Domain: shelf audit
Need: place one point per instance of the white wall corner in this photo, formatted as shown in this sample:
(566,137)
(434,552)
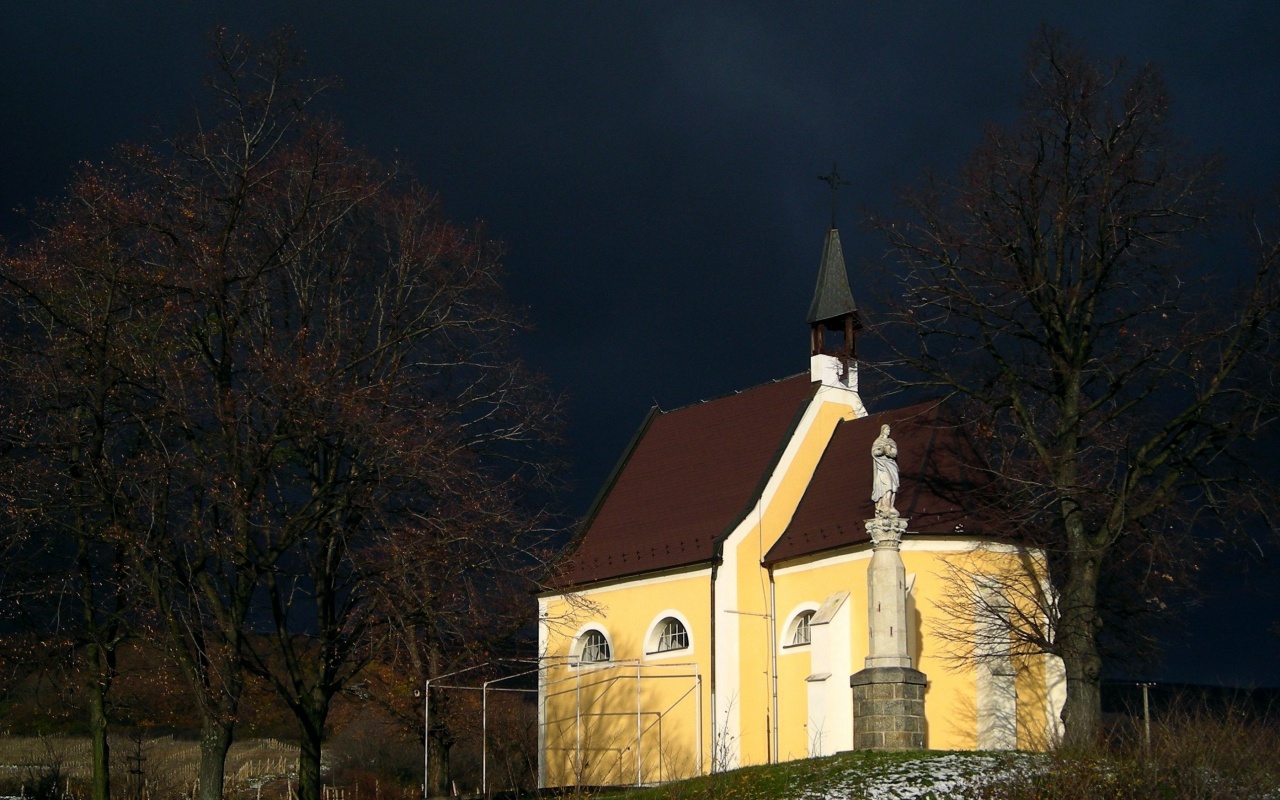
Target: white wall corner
(726,718)
(1056,697)
(830,711)
(829,371)
(816,696)
(839,733)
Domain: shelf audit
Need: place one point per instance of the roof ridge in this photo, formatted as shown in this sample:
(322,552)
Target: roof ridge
(726,395)
(932,403)
(684,477)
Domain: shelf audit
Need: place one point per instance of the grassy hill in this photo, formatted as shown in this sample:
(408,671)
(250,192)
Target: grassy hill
(876,776)
(1226,768)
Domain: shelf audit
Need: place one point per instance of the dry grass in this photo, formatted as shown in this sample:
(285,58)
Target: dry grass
(167,767)
(1194,755)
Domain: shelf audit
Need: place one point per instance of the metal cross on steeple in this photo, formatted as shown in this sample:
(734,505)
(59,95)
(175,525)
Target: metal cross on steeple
(836,182)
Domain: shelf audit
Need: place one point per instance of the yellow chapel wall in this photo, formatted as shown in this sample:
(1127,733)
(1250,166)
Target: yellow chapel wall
(589,719)
(756,632)
(950,697)
(950,667)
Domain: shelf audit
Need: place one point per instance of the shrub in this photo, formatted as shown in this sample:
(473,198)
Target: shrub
(1195,754)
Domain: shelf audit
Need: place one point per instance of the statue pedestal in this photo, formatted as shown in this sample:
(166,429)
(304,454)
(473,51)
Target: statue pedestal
(888,708)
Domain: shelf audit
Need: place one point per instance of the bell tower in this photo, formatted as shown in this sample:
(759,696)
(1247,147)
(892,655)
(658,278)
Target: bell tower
(833,316)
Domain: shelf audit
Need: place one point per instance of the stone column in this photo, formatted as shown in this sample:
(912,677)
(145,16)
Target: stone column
(888,694)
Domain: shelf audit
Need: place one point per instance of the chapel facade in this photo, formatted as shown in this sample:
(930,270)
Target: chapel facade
(736,596)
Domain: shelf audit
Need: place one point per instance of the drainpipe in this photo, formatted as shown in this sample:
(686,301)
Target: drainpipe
(715,566)
(773,661)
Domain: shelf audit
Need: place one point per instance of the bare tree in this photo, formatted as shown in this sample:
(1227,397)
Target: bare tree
(352,385)
(327,377)
(457,596)
(1052,288)
(256,186)
(418,420)
(74,406)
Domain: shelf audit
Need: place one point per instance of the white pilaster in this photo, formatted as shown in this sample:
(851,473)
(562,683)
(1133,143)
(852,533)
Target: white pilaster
(830,658)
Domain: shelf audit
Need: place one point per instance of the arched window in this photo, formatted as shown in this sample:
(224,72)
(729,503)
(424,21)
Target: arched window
(593,648)
(669,634)
(800,633)
(672,635)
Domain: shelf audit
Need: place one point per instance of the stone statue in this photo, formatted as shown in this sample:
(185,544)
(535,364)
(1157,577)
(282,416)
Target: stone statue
(884,478)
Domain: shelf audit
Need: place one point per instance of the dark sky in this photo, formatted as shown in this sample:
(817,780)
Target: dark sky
(650,166)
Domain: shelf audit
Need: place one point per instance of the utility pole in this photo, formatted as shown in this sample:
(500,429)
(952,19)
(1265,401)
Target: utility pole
(1146,716)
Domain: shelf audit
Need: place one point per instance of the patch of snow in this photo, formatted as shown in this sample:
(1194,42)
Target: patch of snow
(932,777)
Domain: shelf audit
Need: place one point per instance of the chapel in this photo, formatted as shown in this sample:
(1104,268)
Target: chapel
(784,572)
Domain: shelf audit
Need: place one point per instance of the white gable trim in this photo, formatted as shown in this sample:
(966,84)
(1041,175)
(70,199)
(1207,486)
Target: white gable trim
(543,637)
(725,704)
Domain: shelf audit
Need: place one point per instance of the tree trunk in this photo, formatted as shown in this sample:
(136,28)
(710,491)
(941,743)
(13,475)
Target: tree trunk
(1078,647)
(1082,712)
(100,656)
(215,741)
(311,725)
(438,772)
(100,781)
(439,739)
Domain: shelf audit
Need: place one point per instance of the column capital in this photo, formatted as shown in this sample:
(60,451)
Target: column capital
(886,532)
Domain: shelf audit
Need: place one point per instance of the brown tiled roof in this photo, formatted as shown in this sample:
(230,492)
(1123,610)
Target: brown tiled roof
(938,473)
(687,480)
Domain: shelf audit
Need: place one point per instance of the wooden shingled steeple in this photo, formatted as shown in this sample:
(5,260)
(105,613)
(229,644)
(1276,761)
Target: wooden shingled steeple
(833,309)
